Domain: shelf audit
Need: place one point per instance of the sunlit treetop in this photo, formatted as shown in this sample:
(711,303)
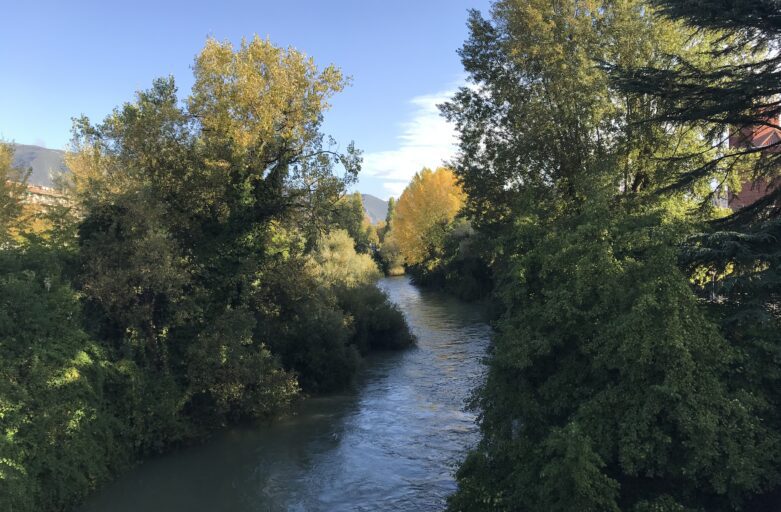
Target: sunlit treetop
(260,92)
(247,138)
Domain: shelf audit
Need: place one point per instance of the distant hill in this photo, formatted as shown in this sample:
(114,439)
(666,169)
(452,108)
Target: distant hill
(375,208)
(44,162)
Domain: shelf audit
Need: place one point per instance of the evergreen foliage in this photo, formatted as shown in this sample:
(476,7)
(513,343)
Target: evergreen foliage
(733,95)
(611,385)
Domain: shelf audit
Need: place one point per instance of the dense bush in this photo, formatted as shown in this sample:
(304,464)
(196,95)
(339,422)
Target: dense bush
(623,397)
(459,266)
(616,383)
(58,433)
(333,314)
(374,321)
(233,375)
(316,344)
(336,263)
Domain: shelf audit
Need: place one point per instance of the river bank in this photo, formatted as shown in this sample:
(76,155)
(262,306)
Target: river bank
(391,442)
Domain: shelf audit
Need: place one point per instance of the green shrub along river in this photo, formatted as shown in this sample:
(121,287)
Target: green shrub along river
(390,442)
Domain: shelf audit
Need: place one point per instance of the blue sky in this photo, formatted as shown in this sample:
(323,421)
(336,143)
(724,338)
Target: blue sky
(62,59)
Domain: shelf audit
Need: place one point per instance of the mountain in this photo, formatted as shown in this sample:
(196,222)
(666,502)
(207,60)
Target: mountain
(44,162)
(375,208)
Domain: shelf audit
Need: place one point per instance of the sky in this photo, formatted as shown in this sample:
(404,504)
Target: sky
(59,60)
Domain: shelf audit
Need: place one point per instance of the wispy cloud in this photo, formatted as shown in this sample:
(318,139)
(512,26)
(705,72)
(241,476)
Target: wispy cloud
(425,140)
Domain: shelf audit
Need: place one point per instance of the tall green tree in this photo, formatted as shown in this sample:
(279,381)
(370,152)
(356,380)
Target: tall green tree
(190,206)
(733,97)
(609,386)
(391,210)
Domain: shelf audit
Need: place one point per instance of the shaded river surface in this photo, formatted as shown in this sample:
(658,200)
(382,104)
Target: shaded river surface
(392,442)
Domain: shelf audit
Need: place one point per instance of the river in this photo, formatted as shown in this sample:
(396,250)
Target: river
(391,442)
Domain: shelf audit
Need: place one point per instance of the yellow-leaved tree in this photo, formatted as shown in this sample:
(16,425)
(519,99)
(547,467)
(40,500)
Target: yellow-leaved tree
(13,188)
(261,93)
(423,214)
(336,263)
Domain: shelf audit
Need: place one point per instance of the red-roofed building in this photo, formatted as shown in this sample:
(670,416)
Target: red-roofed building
(45,196)
(754,137)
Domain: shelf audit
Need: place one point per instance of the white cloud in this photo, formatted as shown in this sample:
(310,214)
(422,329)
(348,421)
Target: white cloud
(395,188)
(425,140)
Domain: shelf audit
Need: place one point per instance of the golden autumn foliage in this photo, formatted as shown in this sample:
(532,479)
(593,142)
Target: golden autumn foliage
(34,221)
(336,263)
(424,210)
(92,174)
(294,93)
(11,192)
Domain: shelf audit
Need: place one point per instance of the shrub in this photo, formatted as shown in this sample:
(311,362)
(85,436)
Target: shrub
(376,323)
(335,262)
(58,437)
(316,345)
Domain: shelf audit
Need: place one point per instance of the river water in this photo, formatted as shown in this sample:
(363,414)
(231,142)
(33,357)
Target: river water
(392,442)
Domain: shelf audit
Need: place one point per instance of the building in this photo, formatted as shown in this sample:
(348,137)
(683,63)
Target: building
(764,136)
(44,196)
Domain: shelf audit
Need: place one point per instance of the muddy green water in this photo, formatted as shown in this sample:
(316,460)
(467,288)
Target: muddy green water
(390,443)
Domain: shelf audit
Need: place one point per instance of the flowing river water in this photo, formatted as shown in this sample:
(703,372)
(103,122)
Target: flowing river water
(390,443)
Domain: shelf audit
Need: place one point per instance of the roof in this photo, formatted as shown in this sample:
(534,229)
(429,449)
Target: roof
(757,137)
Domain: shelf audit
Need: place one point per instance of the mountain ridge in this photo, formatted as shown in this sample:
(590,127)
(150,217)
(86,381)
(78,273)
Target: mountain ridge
(375,208)
(46,163)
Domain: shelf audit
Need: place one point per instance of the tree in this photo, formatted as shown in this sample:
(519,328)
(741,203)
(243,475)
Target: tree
(13,188)
(606,370)
(189,209)
(391,211)
(731,95)
(422,216)
(349,215)
(200,186)
(383,227)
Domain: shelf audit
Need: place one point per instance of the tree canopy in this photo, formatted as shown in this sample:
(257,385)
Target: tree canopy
(13,187)
(422,214)
(610,384)
(210,281)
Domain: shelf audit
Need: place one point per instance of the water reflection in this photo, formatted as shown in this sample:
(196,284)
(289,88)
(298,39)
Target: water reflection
(391,443)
